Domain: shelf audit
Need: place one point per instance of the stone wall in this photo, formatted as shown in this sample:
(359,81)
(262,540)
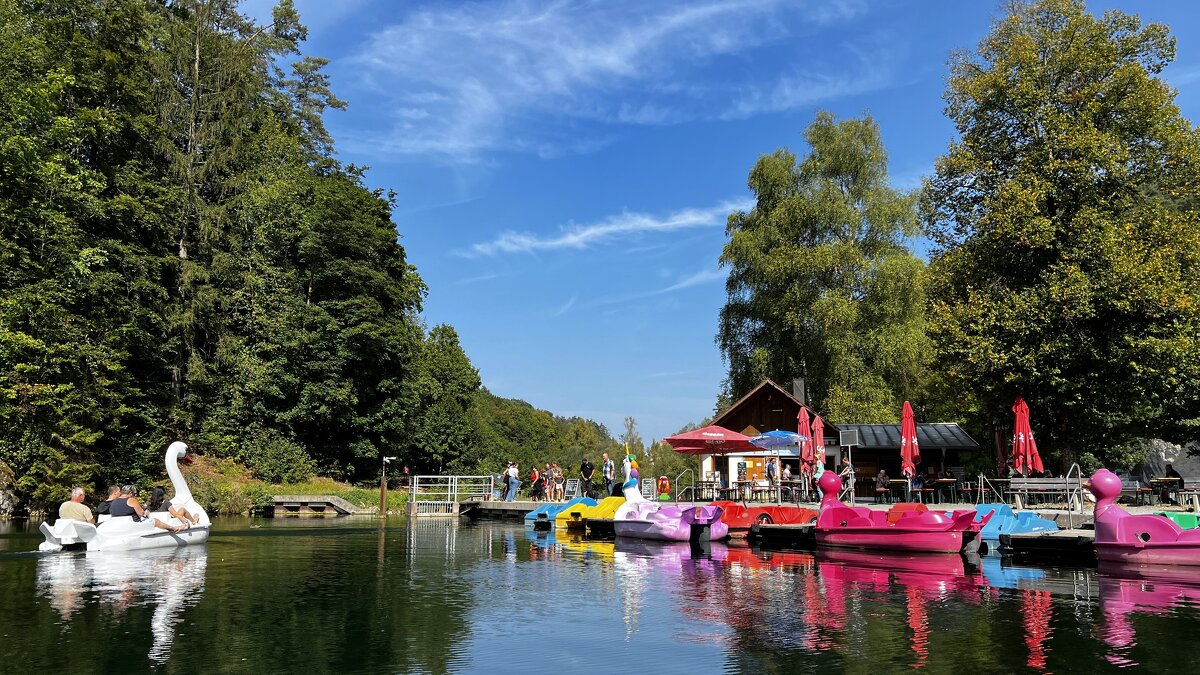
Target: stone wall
(8,498)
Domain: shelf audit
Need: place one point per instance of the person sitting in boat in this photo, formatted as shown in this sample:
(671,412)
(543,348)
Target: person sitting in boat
(75,509)
(159,502)
(114,491)
(128,505)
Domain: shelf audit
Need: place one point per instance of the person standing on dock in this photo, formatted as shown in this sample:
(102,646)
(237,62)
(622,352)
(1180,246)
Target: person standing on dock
(609,470)
(512,483)
(586,471)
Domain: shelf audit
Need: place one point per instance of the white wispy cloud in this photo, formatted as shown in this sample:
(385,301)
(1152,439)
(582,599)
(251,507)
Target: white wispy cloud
(705,276)
(567,307)
(624,225)
(469,79)
(477,279)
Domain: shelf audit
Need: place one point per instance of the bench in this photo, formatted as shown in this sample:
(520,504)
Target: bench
(1140,494)
(1191,492)
(1024,490)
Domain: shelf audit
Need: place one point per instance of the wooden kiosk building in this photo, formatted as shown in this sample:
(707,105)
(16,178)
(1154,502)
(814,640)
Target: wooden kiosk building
(944,446)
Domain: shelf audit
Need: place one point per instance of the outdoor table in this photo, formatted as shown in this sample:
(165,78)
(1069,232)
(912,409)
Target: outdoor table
(1159,485)
(764,492)
(943,484)
(707,489)
(796,488)
(743,489)
(901,485)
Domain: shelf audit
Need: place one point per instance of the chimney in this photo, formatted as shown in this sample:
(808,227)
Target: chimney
(798,390)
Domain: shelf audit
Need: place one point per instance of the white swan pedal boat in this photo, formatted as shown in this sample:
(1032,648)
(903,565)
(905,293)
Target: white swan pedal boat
(124,533)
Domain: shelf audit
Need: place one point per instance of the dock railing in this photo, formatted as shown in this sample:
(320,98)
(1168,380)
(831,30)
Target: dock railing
(1074,493)
(986,490)
(690,489)
(440,495)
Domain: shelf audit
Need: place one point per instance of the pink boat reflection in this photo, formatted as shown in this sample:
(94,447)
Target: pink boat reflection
(1126,590)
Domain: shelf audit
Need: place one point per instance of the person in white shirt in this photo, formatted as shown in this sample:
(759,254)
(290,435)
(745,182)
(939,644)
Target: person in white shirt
(512,482)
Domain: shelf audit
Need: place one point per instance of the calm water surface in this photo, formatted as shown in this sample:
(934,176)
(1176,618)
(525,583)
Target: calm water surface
(350,596)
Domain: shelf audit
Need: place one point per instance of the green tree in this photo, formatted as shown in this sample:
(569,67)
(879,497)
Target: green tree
(1068,257)
(80,279)
(440,395)
(821,284)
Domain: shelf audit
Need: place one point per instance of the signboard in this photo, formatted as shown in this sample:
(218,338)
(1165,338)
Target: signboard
(848,438)
(572,488)
(648,488)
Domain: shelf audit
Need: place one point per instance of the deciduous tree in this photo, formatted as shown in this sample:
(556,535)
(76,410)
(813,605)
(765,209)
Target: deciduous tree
(1068,261)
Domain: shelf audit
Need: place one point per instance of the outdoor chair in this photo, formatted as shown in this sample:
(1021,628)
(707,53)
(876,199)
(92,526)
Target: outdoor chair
(882,495)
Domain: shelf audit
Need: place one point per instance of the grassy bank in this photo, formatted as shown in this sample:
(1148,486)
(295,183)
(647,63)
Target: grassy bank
(225,487)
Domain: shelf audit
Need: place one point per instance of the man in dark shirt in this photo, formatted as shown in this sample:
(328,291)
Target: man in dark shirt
(585,472)
(1166,492)
(113,492)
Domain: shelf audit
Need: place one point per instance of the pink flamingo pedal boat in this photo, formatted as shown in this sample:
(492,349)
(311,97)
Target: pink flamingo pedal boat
(1123,537)
(860,527)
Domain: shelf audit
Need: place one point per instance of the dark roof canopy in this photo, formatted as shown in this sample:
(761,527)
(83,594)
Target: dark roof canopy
(929,436)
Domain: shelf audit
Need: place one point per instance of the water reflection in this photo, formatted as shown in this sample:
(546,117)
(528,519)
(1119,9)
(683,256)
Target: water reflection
(438,596)
(1127,591)
(168,579)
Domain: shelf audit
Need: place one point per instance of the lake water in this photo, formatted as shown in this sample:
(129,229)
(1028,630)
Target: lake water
(350,596)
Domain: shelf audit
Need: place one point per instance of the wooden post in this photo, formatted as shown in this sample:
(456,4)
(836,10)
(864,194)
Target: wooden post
(383,492)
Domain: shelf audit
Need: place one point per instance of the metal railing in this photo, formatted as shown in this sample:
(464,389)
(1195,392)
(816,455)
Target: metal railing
(990,489)
(849,489)
(680,489)
(1074,493)
(440,495)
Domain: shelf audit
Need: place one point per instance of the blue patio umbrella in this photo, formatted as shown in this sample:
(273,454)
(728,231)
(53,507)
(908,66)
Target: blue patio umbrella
(779,439)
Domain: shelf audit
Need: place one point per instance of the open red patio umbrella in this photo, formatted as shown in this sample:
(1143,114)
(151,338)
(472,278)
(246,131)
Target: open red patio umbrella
(1025,453)
(712,440)
(910,451)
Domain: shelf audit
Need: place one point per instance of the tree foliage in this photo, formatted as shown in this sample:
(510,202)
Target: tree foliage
(182,256)
(1068,260)
(821,284)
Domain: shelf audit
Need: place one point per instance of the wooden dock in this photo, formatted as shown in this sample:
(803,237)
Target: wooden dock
(1069,547)
(601,528)
(803,536)
(496,509)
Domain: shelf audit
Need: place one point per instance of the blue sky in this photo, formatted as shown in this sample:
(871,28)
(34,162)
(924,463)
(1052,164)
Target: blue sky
(564,170)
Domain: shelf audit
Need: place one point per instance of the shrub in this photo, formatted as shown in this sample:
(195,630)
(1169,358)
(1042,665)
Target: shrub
(280,460)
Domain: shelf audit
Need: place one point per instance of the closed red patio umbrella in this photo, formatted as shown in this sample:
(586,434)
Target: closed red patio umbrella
(803,428)
(818,439)
(910,451)
(1025,453)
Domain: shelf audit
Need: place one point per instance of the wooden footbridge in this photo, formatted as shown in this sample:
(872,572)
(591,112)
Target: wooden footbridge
(315,505)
